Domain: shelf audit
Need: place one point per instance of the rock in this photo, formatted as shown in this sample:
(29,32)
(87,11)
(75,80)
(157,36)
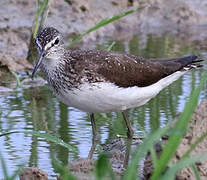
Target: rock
(82,168)
(31,173)
(14,63)
(84,165)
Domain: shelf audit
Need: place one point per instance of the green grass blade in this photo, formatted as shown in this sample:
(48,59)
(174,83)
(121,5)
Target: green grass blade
(196,173)
(4,168)
(111,46)
(179,130)
(62,170)
(103,168)
(52,138)
(17,79)
(41,8)
(141,151)
(153,156)
(8,133)
(102,23)
(171,172)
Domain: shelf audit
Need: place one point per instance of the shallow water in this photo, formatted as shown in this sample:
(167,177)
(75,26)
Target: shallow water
(35,108)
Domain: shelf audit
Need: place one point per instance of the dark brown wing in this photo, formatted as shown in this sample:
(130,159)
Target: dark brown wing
(127,70)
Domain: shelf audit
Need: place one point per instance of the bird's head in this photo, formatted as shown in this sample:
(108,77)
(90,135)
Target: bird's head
(49,43)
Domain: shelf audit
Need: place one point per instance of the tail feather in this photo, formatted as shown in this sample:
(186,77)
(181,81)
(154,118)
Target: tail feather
(190,62)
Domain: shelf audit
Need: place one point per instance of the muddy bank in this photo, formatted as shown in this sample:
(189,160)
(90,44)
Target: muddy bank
(75,17)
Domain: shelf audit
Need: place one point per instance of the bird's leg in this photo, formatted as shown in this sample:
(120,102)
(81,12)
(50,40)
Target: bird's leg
(130,134)
(127,153)
(130,131)
(93,123)
(95,137)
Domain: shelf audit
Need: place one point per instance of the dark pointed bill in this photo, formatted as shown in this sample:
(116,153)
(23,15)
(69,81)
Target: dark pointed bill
(38,62)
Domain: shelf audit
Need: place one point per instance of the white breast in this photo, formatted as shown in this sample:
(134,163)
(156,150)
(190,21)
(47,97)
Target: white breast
(107,97)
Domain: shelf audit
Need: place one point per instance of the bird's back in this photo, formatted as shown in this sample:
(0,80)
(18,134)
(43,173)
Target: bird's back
(124,70)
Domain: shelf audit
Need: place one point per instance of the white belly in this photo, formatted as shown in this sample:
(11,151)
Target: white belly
(107,97)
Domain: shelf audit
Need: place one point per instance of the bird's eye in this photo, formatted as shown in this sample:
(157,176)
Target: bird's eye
(56,41)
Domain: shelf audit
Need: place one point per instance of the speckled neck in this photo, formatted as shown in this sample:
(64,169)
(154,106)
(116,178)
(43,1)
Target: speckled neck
(57,76)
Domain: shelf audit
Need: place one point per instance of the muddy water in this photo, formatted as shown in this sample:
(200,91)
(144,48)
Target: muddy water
(35,108)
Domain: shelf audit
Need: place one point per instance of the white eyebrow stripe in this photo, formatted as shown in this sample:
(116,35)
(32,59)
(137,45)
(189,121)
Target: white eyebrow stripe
(50,43)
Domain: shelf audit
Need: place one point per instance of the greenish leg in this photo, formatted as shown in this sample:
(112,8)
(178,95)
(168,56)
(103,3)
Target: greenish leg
(95,137)
(130,134)
(130,131)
